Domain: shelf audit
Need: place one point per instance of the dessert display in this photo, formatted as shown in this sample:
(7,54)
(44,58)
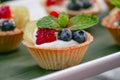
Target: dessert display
(73,7)
(57,41)
(112,22)
(12,22)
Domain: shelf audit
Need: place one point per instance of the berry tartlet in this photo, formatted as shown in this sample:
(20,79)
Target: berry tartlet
(73,7)
(109,4)
(12,21)
(112,24)
(57,41)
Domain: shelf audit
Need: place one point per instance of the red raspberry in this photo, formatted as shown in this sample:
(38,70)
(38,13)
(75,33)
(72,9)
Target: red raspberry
(5,12)
(50,2)
(58,2)
(45,35)
(54,13)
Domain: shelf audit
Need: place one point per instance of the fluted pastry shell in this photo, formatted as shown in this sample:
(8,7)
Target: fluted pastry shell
(59,58)
(114,30)
(10,40)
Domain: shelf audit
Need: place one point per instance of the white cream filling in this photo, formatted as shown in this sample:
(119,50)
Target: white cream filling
(55,44)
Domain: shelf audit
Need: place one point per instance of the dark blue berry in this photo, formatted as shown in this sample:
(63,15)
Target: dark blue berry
(7,25)
(86,4)
(79,36)
(65,34)
(74,6)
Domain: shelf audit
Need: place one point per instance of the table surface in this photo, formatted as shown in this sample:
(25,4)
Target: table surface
(19,64)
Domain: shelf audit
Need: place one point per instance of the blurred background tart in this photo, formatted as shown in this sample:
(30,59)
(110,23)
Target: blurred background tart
(73,7)
(112,23)
(12,22)
(109,5)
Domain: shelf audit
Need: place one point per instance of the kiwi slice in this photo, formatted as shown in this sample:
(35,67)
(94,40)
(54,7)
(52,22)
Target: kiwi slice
(21,16)
(29,32)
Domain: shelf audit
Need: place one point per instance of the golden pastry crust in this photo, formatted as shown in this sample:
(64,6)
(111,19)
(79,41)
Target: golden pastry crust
(10,40)
(59,58)
(108,23)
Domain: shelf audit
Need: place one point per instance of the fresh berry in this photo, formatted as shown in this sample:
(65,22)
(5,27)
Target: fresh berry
(86,4)
(45,35)
(58,2)
(50,2)
(74,6)
(79,36)
(5,12)
(54,13)
(65,34)
(8,25)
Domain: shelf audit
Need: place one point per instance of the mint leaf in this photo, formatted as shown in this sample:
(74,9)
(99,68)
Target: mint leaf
(63,19)
(116,3)
(82,21)
(48,22)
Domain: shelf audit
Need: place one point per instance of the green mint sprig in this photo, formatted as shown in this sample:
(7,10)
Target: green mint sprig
(48,22)
(78,22)
(116,3)
(63,19)
(82,21)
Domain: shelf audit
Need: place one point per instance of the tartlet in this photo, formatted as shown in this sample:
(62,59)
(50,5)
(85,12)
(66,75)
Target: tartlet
(111,23)
(95,9)
(10,39)
(108,3)
(55,56)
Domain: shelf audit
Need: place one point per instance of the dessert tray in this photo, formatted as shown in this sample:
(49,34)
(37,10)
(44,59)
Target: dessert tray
(103,55)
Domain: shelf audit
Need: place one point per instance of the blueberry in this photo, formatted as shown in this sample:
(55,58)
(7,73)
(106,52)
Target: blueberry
(74,6)
(7,25)
(86,4)
(65,34)
(79,36)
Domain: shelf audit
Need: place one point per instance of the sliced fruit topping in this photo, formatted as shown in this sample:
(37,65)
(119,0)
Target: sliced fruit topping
(86,4)
(54,13)
(5,12)
(8,25)
(20,15)
(29,29)
(79,36)
(65,34)
(74,5)
(45,35)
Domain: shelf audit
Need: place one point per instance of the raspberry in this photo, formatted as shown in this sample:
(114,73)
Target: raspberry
(5,12)
(58,2)
(54,13)
(50,2)
(45,35)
